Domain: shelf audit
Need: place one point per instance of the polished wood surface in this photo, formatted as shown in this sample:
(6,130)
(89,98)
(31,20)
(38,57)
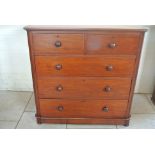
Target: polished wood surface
(84,75)
(58,108)
(108,121)
(98,88)
(112,44)
(46,66)
(85,28)
(58,43)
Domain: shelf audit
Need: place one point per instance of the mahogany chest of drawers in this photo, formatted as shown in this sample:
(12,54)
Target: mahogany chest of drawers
(84,75)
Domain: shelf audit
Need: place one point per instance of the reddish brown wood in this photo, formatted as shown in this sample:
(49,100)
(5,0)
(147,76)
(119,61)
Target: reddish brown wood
(58,43)
(34,75)
(69,73)
(108,121)
(91,28)
(112,43)
(85,66)
(83,108)
(84,88)
(135,74)
(113,121)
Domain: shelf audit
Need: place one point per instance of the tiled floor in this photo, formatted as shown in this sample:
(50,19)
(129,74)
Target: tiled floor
(17,110)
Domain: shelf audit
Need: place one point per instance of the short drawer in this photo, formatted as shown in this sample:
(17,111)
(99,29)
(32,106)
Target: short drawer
(58,43)
(58,108)
(88,88)
(48,66)
(112,43)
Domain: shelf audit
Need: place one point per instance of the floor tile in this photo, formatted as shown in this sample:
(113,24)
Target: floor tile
(83,126)
(149,98)
(141,121)
(7,124)
(12,104)
(31,105)
(141,105)
(28,121)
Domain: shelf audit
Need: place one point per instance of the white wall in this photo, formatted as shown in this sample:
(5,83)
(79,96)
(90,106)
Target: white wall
(146,76)
(15,71)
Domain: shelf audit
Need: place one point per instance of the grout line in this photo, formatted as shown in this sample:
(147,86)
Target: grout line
(8,120)
(28,103)
(151,103)
(144,114)
(143,93)
(147,97)
(23,111)
(133,113)
(17,90)
(149,100)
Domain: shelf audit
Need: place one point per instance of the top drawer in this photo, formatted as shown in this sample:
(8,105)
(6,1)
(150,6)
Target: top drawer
(57,43)
(124,43)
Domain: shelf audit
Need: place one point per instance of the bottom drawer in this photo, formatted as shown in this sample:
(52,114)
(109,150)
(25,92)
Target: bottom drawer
(60,108)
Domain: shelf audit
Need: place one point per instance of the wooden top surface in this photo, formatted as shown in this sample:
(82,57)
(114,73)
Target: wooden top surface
(84,28)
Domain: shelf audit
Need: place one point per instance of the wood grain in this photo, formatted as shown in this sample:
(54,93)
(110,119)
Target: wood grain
(84,88)
(84,66)
(101,44)
(45,43)
(83,108)
(72,67)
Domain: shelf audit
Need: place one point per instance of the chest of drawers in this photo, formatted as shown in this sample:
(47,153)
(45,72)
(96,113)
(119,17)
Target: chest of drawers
(84,75)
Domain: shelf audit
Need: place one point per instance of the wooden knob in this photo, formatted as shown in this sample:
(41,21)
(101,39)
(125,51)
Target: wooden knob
(105,109)
(107,89)
(112,45)
(58,44)
(109,68)
(59,88)
(58,67)
(60,108)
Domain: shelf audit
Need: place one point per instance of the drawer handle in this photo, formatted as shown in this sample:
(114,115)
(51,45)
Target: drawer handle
(58,44)
(109,68)
(105,109)
(112,45)
(60,108)
(107,89)
(59,88)
(58,67)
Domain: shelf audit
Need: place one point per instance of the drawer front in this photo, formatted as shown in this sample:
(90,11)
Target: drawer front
(112,43)
(58,108)
(84,66)
(95,88)
(58,43)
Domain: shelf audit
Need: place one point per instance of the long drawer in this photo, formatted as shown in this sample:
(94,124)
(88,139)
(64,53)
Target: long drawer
(58,108)
(92,88)
(107,66)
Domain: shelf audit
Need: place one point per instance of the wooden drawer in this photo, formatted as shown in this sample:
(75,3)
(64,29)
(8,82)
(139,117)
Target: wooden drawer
(84,66)
(112,43)
(58,43)
(59,108)
(101,88)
